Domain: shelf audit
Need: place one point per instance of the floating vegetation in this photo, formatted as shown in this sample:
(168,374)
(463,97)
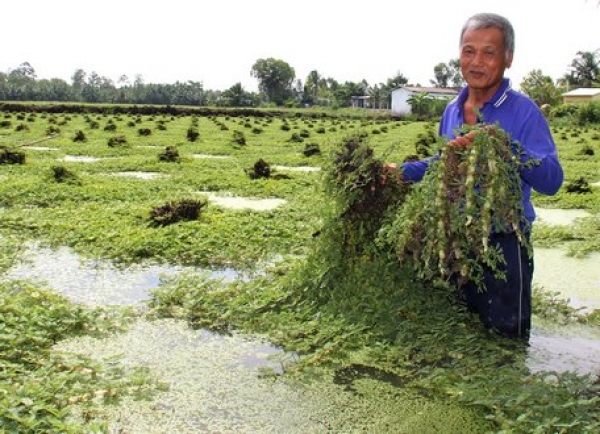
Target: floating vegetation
(40,388)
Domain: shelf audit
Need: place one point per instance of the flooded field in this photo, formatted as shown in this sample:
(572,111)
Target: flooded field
(100,283)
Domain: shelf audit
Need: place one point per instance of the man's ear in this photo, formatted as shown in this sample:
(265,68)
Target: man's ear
(509,60)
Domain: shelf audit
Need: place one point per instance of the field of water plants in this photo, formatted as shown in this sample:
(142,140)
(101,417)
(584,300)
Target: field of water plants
(263,198)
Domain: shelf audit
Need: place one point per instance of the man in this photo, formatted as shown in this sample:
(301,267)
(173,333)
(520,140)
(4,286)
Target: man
(486,51)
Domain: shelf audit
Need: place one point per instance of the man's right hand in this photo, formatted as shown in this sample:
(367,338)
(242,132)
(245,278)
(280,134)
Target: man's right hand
(391,172)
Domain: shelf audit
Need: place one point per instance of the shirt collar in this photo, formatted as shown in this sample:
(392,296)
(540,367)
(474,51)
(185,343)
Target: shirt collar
(498,98)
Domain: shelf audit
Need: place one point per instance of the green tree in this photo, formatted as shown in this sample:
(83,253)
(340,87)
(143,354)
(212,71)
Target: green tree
(396,81)
(21,83)
(441,74)
(275,78)
(236,96)
(585,69)
(456,78)
(54,89)
(541,88)
(313,82)
(420,104)
(343,93)
(448,74)
(78,82)
(379,96)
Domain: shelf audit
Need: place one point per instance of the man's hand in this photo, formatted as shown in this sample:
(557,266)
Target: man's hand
(464,141)
(391,172)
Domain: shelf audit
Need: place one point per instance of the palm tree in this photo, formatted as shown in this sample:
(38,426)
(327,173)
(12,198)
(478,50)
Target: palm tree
(585,68)
(419,103)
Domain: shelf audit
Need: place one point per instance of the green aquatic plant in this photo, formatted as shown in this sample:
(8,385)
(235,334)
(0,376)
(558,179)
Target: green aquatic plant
(472,189)
(46,391)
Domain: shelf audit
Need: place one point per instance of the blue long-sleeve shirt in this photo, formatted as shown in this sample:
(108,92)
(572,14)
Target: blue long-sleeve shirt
(523,120)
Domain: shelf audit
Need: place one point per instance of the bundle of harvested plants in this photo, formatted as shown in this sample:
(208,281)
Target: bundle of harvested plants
(355,181)
(471,189)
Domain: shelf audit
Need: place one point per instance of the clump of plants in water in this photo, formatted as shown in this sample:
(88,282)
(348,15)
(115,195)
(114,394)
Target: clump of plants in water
(117,141)
(11,155)
(311,149)
(61,174)
(580,185)
(79,136)
(238,138)
(192,134)
(260,169)
(427,142)
(170,155)
(356,180)
(176,211)
(472,189)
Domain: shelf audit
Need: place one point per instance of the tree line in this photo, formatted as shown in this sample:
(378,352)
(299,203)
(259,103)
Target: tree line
(277,86)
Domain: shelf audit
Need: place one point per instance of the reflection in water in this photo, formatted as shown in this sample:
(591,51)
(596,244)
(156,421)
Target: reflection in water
(96,282)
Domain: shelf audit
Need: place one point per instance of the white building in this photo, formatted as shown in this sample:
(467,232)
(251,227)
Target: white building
(582,95)
(401,96)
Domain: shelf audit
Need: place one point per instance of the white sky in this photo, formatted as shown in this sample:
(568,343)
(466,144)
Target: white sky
(216,42)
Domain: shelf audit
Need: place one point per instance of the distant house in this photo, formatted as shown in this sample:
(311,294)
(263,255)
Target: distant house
(582,95)
(401,96)
(360,102)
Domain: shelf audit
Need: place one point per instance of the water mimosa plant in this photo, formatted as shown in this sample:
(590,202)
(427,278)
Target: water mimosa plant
(471,188)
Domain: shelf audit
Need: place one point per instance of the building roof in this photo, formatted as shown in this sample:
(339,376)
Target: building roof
(583,91)
(440,90)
